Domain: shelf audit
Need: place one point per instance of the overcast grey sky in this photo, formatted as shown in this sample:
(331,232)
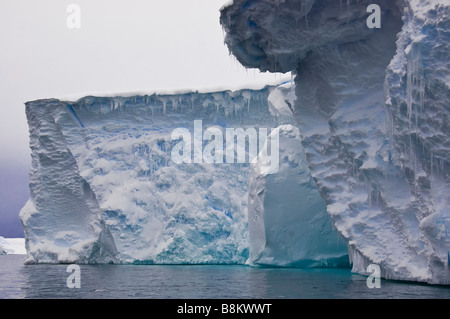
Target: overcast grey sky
(122,46)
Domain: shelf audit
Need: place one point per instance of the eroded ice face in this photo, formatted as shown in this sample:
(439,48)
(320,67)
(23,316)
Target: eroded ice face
(107,162)
(372,108)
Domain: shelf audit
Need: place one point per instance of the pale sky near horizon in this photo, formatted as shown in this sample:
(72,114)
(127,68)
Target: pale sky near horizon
(121,46)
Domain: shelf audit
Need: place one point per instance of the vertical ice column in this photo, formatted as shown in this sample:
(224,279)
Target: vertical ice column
(288,221)
(62,218)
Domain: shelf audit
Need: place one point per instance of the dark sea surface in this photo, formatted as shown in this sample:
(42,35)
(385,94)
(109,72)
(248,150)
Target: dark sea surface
(197,282)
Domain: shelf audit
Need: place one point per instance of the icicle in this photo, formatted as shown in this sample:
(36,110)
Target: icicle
(392,126)
(409,90)
(410,149)
(431,170)
(292,88)
(376,199)
(415,176)
(306,21)
(414,84)
(422,95)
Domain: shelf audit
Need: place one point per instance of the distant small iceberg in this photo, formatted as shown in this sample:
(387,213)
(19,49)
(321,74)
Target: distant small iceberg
(12,246)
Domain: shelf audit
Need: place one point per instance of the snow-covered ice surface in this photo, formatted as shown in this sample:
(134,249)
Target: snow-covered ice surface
(10,246)
(372,107)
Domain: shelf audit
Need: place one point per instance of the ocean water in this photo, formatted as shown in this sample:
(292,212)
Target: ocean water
(197,282)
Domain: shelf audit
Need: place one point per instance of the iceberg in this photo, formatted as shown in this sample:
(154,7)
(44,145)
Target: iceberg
(372,108)
(12,246)
(2,248)
(363,143)
(133,179)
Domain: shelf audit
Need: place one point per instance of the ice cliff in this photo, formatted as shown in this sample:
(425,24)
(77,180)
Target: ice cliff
(105,186)
(372,108)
